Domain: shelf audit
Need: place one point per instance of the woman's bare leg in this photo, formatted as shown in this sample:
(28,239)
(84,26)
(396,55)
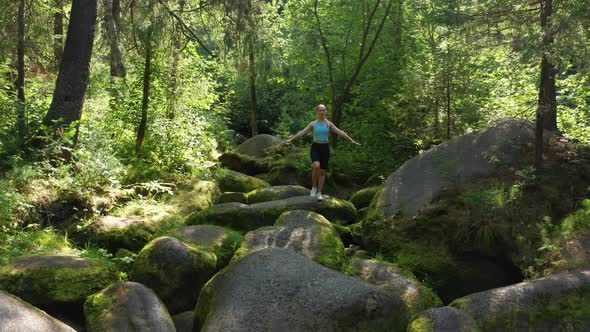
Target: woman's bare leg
(321,180)
(315,174)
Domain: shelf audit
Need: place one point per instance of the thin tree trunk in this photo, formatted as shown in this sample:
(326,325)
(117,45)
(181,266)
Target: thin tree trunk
(436,129)
(116,57)
(141,129)
(253,102)
(546,108)
(345,96)
(58,32)
(21,124)
(70,87)
(448,102)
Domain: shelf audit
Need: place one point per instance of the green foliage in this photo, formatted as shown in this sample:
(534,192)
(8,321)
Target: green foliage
(577,221)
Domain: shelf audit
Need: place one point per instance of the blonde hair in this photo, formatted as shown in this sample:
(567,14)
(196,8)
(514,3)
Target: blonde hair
(320,106)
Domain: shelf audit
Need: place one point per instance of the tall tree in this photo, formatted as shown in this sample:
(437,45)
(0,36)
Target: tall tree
(372,26)
(20,81)
(112,27)
(72,80)
(58,32)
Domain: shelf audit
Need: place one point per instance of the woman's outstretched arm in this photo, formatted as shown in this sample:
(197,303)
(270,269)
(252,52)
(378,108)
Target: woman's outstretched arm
(300,134)
(342,134)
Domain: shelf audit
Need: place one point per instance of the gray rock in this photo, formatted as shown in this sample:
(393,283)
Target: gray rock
(238,182)
(250,217)
(362,198)
(221,241)
(17,315)
(55,279)
(183,322)
(126,306)
(546,304)
(231,196)
(472,156)
(257,145)
(392,278)
(174,270)
(445,319)
(305,232)
(280,290)
(275,193)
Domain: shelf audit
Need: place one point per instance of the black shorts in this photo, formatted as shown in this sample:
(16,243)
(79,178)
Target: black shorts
(320,152)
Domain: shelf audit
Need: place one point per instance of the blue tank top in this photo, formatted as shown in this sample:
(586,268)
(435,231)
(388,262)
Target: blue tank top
(321,131)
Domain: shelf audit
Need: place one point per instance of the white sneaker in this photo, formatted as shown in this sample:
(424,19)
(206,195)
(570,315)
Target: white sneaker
(313,191)
(319,197)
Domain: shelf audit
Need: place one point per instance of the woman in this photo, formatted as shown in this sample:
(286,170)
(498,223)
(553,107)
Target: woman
(320,149)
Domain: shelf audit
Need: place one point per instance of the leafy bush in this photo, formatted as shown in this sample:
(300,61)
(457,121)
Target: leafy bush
(577,221)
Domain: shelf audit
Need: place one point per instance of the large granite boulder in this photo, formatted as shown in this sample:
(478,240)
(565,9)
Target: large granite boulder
(249,217)
(445,319)
(278,289)
(556,303)
(113,233)
(17,315)
(476,155)
(275,193)
(238,182)
(394,279)
(218,240)
(305,232)
(56,279)
(175,270)
(126,306)
(245,164)
(257,145)
(362,198)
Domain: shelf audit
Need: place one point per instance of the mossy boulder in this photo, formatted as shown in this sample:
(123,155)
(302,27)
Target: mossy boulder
(305,232)
(250,217)
(275,193)
(17,315)
(244,163)
(237,216)
(230,196)
(257,145)
(220,241)
(126,306)
(444,319)
(278,289)
(362,198)
(395,279)
(56,279)
(175,270)
(238,182)
(556,303)
(477,155)
(113,233)
(194,195)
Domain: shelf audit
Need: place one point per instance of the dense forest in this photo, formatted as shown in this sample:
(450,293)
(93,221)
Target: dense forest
(132,111)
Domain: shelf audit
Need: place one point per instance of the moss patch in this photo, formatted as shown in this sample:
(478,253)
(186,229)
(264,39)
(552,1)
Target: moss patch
(421,324)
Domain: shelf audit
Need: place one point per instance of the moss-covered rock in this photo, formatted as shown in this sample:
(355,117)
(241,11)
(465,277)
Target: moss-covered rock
(234,181)
(183,322)
(56,279)
(237,216)
(220,241)
(445,319)
(113,233)
(363,197)
(305,232)
(175,270)
(275,193)
(250,217)
(278,289)
(244,163)
(395,279)
(126,306)
(17,315)
(194,195)
(556,303)
(231,196)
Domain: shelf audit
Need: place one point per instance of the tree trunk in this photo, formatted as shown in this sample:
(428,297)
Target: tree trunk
(58,32)
(448,102)
(141,129)
(70,88)
(547,105)
(21,123)
(253,102)
(112,30)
